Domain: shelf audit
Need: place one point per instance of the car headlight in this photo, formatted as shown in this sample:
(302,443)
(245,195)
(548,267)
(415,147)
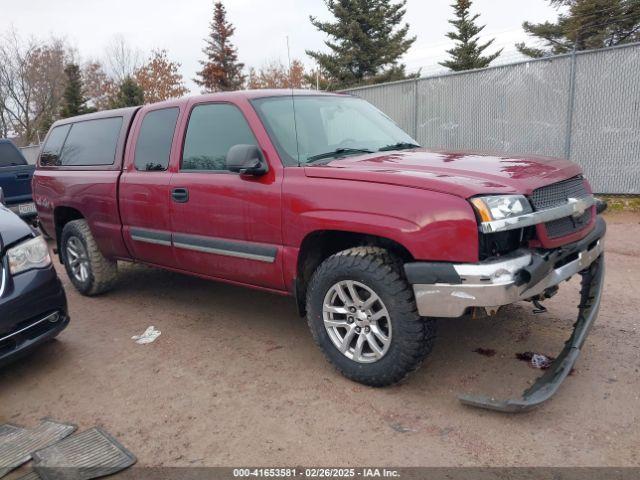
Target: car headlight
(499,207)
(30,254)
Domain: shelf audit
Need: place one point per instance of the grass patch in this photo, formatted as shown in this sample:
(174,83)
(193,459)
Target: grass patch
(622,203)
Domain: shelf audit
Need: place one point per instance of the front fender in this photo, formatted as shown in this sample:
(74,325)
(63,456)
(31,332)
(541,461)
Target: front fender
(431,225)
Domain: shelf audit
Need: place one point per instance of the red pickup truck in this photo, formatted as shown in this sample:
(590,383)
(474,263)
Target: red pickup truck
(324,198)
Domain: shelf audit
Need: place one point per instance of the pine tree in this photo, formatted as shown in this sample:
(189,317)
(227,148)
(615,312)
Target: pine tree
(587,24)
(130,94)
(73,101)
(221,70)
(467,54)
(366,41)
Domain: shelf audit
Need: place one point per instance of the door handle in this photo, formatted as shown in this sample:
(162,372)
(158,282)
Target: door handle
(180,195)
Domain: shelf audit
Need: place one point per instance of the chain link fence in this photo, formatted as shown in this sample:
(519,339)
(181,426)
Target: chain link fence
(585,107)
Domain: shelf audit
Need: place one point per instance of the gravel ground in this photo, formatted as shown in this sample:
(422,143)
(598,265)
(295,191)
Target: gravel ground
(235,380)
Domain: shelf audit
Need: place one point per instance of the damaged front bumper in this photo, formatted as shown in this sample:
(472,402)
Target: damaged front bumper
(449,290)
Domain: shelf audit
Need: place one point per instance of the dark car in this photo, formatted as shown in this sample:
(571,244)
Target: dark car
(33,305)
(15,181)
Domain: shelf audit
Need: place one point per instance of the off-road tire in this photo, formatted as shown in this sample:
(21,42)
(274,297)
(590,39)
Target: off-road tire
(102,271)
(412,336)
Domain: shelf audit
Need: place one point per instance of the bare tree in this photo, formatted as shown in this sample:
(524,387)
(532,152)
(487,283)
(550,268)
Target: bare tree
(99,88)
(274,74)
(160,78)
(31,85)
(4,120)
(15,94)
(121,59)
(48,80)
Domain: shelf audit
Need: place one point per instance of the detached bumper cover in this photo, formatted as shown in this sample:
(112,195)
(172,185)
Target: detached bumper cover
(546,385)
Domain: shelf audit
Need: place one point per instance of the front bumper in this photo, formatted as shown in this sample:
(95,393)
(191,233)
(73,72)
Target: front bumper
(452,289)
(518,281)
(33,309)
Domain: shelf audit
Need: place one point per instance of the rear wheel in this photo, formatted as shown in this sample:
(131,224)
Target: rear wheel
(362,314)
(89,271)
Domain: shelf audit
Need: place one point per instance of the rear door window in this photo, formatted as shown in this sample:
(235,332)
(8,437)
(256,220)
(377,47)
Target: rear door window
(50,154)
(92,142)
(153,146)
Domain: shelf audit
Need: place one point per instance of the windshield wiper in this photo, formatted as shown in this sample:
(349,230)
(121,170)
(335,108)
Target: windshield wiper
(398,146)
(336,153)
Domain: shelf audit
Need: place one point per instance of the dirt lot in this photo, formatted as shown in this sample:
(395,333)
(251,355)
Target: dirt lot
(236,380)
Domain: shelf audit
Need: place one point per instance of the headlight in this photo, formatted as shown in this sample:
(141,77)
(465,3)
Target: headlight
(499,207)
(33,253)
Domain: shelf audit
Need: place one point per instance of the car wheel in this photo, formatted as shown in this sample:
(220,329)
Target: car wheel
(362,314)
(89,271)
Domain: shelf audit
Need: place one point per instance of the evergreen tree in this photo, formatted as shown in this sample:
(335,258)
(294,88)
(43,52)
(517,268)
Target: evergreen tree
(366,41)
(221,70)
(587,24)
(130,94)
(467,53)
(73,102)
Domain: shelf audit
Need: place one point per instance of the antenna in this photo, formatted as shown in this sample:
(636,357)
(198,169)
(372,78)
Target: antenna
(293,102)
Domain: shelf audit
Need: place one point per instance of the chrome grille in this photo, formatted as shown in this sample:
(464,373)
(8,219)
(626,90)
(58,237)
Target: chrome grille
(557,194)
(567,225)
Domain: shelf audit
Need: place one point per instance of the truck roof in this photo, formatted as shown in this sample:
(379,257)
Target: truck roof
(231,96)
(123,112)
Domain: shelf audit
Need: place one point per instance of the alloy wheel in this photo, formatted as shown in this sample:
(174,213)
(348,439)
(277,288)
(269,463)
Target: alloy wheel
(77,259)
(357,321)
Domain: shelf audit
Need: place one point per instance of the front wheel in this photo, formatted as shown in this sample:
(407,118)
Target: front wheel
(89,271)
(362,314)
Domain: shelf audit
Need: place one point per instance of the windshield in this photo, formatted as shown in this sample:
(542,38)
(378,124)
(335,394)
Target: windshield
(327,127)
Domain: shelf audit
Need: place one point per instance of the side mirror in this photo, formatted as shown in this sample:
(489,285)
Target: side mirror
(1,196)
(246,160)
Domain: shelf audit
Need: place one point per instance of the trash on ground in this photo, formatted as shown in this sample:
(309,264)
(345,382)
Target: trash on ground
(398,427)
(149,336)
(536,360)
(487,352)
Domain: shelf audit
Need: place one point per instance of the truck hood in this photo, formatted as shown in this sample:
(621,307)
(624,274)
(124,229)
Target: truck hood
(12,228)
(462,174)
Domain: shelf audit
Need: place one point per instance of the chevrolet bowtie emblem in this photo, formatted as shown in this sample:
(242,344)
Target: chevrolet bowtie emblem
(578,207)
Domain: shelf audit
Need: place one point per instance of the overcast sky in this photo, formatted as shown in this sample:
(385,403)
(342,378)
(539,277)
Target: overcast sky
(261,26)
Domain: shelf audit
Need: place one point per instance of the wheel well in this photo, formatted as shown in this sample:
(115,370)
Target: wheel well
(62,216)
(318,246)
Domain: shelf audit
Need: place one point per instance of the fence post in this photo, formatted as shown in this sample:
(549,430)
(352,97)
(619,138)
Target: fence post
(415,111)
(570,104)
